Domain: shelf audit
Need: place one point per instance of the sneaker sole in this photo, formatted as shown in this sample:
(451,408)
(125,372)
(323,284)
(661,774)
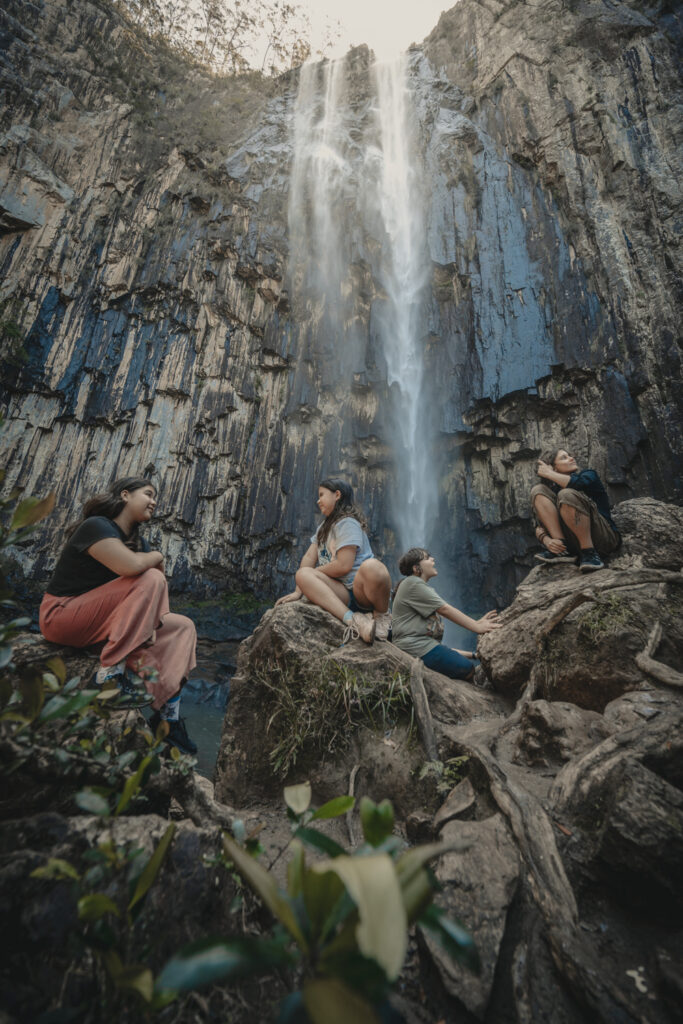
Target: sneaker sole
(560,560)
(590,568)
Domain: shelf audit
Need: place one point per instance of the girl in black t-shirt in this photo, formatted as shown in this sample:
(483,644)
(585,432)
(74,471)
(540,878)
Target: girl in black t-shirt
(109,588)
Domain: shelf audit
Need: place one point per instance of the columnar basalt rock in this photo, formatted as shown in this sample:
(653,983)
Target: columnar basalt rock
(144,254)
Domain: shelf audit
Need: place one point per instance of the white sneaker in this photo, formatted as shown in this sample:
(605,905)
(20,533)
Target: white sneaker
(105,673)
(382,625)
(361,627)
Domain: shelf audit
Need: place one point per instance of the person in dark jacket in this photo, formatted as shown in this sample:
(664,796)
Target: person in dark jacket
(572,510)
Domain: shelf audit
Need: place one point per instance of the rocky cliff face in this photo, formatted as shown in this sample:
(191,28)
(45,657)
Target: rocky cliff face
(144,253)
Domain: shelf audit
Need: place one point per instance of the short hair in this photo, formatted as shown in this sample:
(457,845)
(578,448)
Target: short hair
(410,559)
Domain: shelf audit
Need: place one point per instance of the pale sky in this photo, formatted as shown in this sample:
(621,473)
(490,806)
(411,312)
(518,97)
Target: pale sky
(387,26)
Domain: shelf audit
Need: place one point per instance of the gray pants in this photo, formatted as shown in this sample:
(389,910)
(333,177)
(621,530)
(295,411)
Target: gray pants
(605,539)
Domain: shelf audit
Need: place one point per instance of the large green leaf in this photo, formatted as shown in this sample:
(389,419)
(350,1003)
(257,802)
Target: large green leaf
(295,868)
(330,1001)
(213,960)
(136,978)
(32,510)
(132,785)
(382,927)
(32,693)
(319,841)
(298,798)
(131,977)
(455,939)
(417,892)
(92,802)
(60,706)
(333,808)
(265,886)
(377,820)
(321,893)
(151,868)
(56,868)
(57,667)
(94,906)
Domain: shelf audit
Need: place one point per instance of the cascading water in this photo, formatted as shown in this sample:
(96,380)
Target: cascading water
(355,202)
(404,277)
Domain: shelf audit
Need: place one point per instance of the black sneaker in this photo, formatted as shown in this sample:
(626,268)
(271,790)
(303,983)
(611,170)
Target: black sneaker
(590,561)
(177,733)
(551,558)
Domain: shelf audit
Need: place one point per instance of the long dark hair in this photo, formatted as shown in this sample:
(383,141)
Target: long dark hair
(345,506)
(110,503)
(407,563)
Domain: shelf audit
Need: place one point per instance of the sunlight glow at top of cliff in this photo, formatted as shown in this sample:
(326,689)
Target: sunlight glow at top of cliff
(387,26)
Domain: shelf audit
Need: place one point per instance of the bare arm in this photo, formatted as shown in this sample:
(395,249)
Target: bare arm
(548,473)
(341,564)
(483,625)
(113,553)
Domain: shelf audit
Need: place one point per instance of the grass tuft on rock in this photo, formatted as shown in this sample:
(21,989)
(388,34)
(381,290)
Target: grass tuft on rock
(316,711)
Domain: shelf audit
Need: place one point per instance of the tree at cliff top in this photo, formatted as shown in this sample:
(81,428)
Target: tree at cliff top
(230,36)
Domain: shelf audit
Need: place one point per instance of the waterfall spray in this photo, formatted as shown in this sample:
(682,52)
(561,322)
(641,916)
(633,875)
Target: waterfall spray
(355,198)
(404,277)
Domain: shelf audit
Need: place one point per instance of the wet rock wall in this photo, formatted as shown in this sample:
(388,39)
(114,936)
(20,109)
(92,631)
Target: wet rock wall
(144,255)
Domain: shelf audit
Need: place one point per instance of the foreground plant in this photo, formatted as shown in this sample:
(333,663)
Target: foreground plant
(342,921)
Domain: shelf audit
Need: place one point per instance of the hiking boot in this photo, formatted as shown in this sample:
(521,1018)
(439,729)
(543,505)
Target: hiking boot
(382,625)
(590,561)
(551,558)
(177,735)
(361,627)
(132,690)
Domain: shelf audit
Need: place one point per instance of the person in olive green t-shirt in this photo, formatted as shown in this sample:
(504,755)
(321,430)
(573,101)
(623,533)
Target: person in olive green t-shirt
(416,624)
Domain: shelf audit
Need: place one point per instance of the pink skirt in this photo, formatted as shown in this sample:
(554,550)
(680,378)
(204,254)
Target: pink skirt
(130,615)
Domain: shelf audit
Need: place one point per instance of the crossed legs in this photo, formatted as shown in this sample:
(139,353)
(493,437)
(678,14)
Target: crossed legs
(561,518)
(371,588)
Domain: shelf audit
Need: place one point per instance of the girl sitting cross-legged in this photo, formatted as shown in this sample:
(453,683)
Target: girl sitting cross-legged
(416,625)
(109,588)
(338,571)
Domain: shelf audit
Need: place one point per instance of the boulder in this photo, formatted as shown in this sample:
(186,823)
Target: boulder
(555,732)
(577,638)
(478,887)
(301,694)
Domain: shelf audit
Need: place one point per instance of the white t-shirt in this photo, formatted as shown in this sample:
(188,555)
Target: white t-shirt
(347,532)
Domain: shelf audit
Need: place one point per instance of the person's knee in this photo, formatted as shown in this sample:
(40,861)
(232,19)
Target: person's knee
(303,574)
(539,491)
(375,571)
(153,579)
(568,505)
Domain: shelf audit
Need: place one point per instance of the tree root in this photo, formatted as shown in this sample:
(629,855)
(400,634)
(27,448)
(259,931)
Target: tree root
(657,669)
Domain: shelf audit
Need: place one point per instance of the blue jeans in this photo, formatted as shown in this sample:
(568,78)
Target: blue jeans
(448,662)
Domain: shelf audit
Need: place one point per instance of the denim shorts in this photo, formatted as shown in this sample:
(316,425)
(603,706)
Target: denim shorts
(448,662)
(353,604)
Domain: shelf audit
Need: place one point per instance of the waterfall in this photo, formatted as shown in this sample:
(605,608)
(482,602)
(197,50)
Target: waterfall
(355,201)
(404,277)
